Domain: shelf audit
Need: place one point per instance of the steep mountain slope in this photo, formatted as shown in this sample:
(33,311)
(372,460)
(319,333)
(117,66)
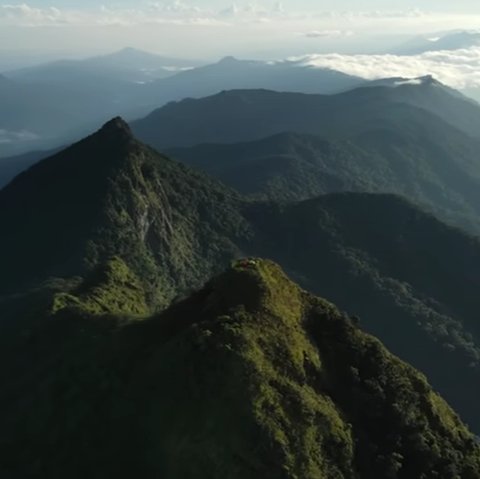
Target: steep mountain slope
(298,391)
(11,166)
(411,278)
(116,196)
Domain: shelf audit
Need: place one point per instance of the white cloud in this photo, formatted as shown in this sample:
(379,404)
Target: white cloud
(328,33)
(23,14)
(178,12)
(7,136)
(259,29)
(456,68)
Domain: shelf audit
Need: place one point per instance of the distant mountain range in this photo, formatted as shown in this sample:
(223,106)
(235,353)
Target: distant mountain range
(414,139)
(55,103)
(412,279)
(231,73)
(127,65)
(61,101)
(351,112)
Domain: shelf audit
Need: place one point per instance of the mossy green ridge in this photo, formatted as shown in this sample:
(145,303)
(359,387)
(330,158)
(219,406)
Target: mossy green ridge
(111,289)
(248,377)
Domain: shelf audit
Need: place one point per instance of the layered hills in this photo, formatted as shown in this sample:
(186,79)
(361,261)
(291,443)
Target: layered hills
(292,166)
(414,138)
(239,115)
(123,66)
(171,228)
(61,101)
(406,140)
(231,73)
(287,166)
(248,377)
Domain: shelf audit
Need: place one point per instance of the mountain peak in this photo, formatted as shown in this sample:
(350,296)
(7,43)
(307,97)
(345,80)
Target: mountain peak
(130,52)
(429,80)
(257,284)
(228,60)
(116,127)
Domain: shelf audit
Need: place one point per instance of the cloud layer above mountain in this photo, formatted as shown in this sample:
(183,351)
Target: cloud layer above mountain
(457,68)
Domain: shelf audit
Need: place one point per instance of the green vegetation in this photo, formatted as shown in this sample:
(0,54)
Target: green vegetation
(379,257)
(438,174)
(419,141)
(116,197)
(112,288)
(102,236)
(248,377)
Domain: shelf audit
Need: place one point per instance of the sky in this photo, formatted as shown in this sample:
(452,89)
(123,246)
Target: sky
(329,33)
(214,28)
(438,5)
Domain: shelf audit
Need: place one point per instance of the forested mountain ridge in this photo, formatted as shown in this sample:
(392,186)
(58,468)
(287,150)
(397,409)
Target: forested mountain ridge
(108,195)
(389,140)
(242,115)
(373,255)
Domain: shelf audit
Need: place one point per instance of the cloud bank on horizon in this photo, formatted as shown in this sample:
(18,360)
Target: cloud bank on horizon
(459,69)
